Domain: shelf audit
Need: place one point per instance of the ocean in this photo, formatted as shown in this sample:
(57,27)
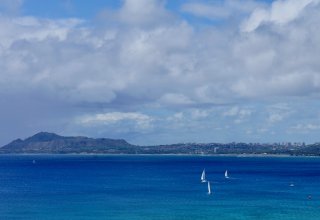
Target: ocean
(107,187)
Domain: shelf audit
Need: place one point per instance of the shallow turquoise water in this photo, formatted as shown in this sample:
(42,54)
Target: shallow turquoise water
(158,187)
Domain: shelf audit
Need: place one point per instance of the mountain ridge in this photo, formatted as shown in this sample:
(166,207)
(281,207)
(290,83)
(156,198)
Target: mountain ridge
(45,142)
(51,143)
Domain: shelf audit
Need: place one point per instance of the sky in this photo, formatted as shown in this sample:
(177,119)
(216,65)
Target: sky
(161,71)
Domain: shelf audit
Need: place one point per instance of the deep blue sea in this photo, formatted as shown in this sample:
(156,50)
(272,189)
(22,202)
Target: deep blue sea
(158,187)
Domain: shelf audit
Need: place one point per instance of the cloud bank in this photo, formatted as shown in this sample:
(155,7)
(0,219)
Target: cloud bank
(134,63)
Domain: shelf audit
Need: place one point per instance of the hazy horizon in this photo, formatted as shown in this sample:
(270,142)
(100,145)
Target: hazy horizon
(146,144)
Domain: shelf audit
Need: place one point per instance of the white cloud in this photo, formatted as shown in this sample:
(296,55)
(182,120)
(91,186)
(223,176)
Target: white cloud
(137,58)
(175,99)
(275,117)
(166,63)
(232,112)
(204,10)
(278,112)
(114,117)
(139,13)
(220,10)
(33,30)
(306,127)
(281,12)
(142,11)
(142,121)
(199,114)
(240,114)
(237,111)
(179,116)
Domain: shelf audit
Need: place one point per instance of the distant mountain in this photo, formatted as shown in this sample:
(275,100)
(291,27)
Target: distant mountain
(45,142)
(50,143)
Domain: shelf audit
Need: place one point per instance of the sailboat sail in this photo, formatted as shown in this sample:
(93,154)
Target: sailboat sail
(226,174)
(209,188)
(203,176)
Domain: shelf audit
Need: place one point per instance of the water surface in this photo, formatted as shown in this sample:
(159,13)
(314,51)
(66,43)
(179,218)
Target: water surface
(158,187)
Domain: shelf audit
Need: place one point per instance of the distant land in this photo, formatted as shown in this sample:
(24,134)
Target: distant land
(50,143)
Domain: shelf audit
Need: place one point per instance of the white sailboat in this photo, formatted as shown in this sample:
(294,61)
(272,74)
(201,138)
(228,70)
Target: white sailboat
(209,188)
(203,176)
(226,174)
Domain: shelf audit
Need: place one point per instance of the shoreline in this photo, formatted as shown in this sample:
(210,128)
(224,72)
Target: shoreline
(177,155)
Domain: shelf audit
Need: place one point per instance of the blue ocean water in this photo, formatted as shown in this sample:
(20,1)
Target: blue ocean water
(158,187)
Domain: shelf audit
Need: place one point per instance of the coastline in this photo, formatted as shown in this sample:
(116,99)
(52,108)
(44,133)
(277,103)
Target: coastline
(174,155)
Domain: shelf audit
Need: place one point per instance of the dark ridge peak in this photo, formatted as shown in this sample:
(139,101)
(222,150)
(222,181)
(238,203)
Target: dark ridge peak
(17,140)
(111,139)
(79,136)
(43,136)
(115,140)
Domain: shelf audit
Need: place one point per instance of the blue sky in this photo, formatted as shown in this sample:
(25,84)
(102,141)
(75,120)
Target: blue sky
(161,71)
(88,10)
(67,8)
